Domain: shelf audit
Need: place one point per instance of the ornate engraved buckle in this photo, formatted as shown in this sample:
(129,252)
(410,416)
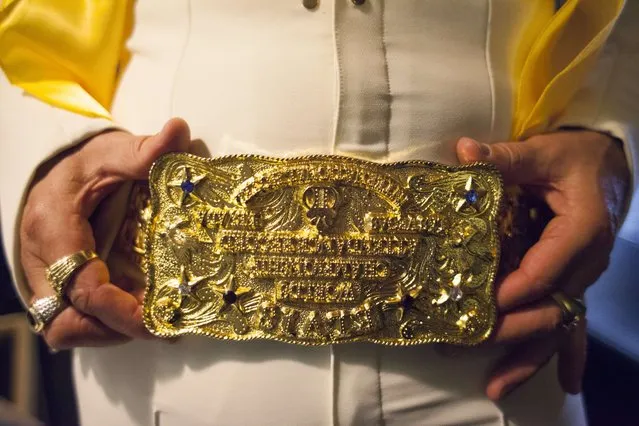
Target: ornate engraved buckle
(321,250)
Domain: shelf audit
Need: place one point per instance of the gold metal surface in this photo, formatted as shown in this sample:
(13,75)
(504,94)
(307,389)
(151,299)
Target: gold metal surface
(321,250)
(62,270)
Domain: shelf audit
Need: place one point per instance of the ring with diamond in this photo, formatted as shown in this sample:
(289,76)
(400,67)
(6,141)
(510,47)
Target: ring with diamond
(43,310)
(573,310)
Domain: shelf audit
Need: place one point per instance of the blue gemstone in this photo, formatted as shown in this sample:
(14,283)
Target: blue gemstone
(187,186)
(229,297)
(407,302)
(472,196)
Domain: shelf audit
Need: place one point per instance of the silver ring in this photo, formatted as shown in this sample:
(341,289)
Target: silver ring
(43,311)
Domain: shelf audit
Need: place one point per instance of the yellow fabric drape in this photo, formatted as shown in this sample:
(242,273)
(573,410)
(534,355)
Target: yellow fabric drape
(66,53)
(558,60)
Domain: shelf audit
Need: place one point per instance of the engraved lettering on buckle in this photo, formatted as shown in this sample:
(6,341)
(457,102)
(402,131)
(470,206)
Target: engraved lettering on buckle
(324,292)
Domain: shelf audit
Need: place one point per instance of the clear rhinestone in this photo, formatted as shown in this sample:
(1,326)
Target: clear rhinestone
(456,294)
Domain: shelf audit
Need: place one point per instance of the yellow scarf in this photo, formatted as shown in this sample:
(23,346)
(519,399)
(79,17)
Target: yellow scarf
(64,52)
(67,53)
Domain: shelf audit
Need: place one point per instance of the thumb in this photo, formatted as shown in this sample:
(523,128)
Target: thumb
(127,157)
(143,151)
(519,162)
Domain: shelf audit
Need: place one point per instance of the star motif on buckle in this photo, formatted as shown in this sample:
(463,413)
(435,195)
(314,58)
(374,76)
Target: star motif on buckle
(454,293)
(452,297)
(184,285)
(469,196)
(186,182)
(236,303)
(238,299)
(405,301)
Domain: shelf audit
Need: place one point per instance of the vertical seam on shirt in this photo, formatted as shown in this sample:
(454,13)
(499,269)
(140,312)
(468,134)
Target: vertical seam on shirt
(382,420)
(389,113)
(489,69)
(180,61)
(337,116)
(340,78)
(334,388)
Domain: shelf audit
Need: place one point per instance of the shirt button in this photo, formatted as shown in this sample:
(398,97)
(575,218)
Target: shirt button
(310,4)
(358,2)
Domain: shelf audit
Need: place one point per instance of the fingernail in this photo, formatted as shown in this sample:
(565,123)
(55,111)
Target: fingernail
(468,142)
(484,150)
(164,127)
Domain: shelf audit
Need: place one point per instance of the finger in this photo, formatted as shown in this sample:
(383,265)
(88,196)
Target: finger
(561,245)
(89,289)
(132,158)
(126,274)
(55,221)
(71,329)
(110,161)
(518,162)
(572,358)
(530,321)
(519,366)
(48,233)
(93,294)
(134,286)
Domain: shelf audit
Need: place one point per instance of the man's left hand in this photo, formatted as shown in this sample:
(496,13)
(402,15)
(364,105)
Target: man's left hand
(583,177)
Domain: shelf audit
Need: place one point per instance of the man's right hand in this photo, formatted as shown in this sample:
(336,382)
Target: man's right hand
(55,224)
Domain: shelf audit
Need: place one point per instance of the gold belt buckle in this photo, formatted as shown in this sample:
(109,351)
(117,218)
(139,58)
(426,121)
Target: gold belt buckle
(321,250)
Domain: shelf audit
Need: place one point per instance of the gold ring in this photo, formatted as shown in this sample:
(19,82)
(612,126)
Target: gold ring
(573,310)
(60,272)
